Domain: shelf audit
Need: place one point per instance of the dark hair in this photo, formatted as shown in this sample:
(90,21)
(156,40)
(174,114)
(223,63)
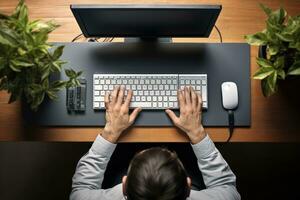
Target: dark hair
(156,174)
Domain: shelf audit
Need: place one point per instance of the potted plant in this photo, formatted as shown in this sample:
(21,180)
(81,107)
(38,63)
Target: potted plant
(27,61)
(279,49)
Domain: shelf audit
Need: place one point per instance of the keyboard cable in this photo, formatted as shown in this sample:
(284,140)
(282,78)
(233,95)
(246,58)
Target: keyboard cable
(230,123)
(219,32)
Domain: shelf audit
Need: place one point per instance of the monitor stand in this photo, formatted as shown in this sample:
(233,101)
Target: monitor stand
(148,39)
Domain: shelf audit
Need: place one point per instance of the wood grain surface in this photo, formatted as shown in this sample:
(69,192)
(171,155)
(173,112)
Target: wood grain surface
(274,119)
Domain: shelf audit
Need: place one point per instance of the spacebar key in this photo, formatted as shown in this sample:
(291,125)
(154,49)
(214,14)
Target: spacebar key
(141,104)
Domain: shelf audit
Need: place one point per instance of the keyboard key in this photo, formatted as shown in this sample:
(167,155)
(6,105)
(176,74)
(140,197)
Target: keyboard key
(204,94)
(175,104)
(172,98)
(98,87)
(99,98)
(102,105)
(96,104)
(140,104)
(97,93)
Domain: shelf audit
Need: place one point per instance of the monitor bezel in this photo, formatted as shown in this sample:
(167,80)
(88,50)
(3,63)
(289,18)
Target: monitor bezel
(76,7)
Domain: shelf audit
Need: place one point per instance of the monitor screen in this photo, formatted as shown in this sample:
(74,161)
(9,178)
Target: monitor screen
(146,20)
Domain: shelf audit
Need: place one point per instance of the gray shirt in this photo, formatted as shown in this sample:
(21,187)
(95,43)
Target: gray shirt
(217,175)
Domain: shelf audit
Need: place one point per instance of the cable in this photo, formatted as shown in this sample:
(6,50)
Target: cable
(231,124)
(220,35)
(78,36)
(93,39)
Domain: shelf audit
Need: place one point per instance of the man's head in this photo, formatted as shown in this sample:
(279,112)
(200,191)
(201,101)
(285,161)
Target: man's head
(156,174)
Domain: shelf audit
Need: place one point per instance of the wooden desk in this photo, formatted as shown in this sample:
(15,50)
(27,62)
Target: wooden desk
(274,119)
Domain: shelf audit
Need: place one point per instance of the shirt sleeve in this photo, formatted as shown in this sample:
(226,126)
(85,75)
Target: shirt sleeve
(89,174)
(220,181)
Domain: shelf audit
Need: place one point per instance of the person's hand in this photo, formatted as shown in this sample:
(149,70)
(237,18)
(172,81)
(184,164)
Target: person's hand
(189,121)
(117,113)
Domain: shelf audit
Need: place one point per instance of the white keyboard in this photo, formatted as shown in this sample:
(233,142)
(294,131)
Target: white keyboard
(150,91)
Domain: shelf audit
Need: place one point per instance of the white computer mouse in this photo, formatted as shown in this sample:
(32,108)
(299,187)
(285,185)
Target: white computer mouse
(230,98)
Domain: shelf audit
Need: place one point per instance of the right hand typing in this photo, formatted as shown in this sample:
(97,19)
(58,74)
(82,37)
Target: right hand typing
(189,121)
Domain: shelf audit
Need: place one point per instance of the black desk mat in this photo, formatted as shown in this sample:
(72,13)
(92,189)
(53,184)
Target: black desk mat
(221,62)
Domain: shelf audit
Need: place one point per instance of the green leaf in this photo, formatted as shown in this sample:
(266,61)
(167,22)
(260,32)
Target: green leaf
(295,45)
(7,37)
(58,52)
(21,51)
(273,49)
(266,88)
(21,63)
(45,27)
(256,39)
(70,73)
(264,62)
(279,15)
(292,26)
(272,26)
(45,84)
(272,79)
(23,15)
(285,37)
(45,73)
(55,66)
(266,9)
(14,68)
(279,62)
(281,74)
(269,85)
(79,73)
(52,94)
(263,73)
(56,85)
(294,69)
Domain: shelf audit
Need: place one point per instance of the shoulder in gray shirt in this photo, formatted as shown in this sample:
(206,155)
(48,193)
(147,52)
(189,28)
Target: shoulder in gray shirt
(217,175)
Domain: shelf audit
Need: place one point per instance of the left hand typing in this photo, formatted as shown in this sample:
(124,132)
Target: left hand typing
(117,114)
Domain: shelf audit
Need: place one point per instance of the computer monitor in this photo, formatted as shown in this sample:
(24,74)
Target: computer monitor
(146,21)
